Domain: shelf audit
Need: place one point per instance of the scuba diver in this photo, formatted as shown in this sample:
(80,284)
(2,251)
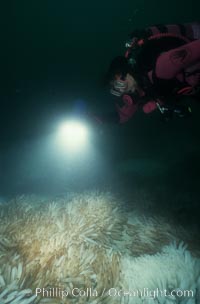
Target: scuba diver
(161,64)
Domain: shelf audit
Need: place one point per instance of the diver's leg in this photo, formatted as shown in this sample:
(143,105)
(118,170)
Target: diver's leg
(171,63)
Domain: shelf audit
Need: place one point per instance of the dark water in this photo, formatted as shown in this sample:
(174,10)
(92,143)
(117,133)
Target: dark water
(54,56)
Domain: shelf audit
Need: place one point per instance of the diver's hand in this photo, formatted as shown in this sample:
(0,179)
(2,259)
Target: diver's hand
(149,107)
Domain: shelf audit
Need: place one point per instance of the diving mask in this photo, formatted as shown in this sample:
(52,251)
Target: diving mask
(118,87)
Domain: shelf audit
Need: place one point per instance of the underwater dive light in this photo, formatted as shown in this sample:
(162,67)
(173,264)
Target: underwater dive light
(73,135)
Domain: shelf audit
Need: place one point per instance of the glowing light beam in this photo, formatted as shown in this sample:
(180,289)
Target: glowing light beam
(73,135)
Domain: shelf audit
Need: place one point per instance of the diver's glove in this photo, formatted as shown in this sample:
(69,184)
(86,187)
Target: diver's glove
(149,107)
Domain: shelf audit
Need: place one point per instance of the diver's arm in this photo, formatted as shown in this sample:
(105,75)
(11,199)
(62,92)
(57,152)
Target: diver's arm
(171,63)
(131,106)
(126,112)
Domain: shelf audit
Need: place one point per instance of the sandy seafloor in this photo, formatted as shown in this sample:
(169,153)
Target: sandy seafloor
(100,246)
